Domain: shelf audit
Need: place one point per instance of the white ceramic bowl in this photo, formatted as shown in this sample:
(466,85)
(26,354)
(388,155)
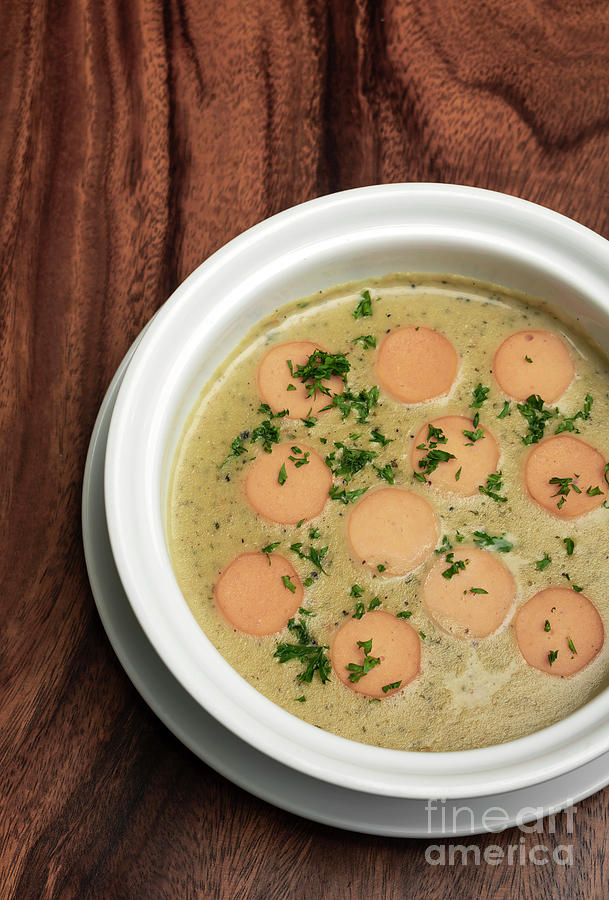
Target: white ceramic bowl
(353,235)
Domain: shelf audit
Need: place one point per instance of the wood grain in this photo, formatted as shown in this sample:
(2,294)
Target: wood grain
(138,138)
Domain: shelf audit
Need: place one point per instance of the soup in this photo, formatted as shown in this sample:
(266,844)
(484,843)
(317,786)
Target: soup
(388,508)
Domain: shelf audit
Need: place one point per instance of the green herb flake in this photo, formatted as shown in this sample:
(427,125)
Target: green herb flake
(381,567)
(319,367)
(422,635)
(300,699)
(480,395)
(552,656)
(477,591)
(359,404)
(291,387)
(367,341)
(568,423)
(433,457)
(504,411)
(356,591)
(543,563)
(374,603)
(494,483)
(364,307)
(458,473)
(287,582)
(358,670)
(537,415)
(571,646)
(473,436)
(455,566)
(283,475)
(348,461)
(569,545)
(376,437)
(404,614)
(547,626)
(563,487)
(386,473)
(528,359)
(391,687)
(269,549)
(493,542)
(338,493)
(360,609)
(315,555)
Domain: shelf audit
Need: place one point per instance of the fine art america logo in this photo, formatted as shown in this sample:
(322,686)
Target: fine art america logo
(449,820)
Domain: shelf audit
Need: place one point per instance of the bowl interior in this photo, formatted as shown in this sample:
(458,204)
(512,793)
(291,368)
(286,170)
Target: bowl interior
(363,233)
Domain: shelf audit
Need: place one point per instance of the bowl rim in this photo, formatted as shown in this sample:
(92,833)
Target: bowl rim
(141,556)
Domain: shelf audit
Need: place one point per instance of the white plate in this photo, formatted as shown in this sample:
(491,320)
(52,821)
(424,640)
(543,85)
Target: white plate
(264,777)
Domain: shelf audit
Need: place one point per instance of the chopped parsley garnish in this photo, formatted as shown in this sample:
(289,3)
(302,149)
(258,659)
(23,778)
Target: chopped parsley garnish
(569,545)
(338,493)
(547,626)
(348,461)
(298,457)
(267,433)
(386,473)
(575,587)
(287,582)
(391,687)
(291,387)
(368,341)
(477,591)
(374,603)
(381,567)
(319,367)
(359,404)
(543,563)
(528,359)
(536,415)
(458,473)
(236,449)
(364,307)
(404,614)
(356,591)
(494,542)
(479,394)
(568,423)
(445,546)
(360,609)
(269,549)
(306,651)
(473,436)
(283,475)
(422,635)
(299,523)
(563,486)
(571,646)
(433,457)
(593,491)
(494,483)
(377,438)
(265,410)
(310,420)
(505,410)
(455,566)
(309,580)
(552,656)
(606,474)
(358,670)
(314,533)
(300,699)
(315,556)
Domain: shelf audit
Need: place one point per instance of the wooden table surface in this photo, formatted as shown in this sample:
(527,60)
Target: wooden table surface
(137,138)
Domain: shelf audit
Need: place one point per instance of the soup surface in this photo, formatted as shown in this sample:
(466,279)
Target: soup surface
(472,665)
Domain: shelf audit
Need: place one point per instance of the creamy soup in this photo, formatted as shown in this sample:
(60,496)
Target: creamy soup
(423,565)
